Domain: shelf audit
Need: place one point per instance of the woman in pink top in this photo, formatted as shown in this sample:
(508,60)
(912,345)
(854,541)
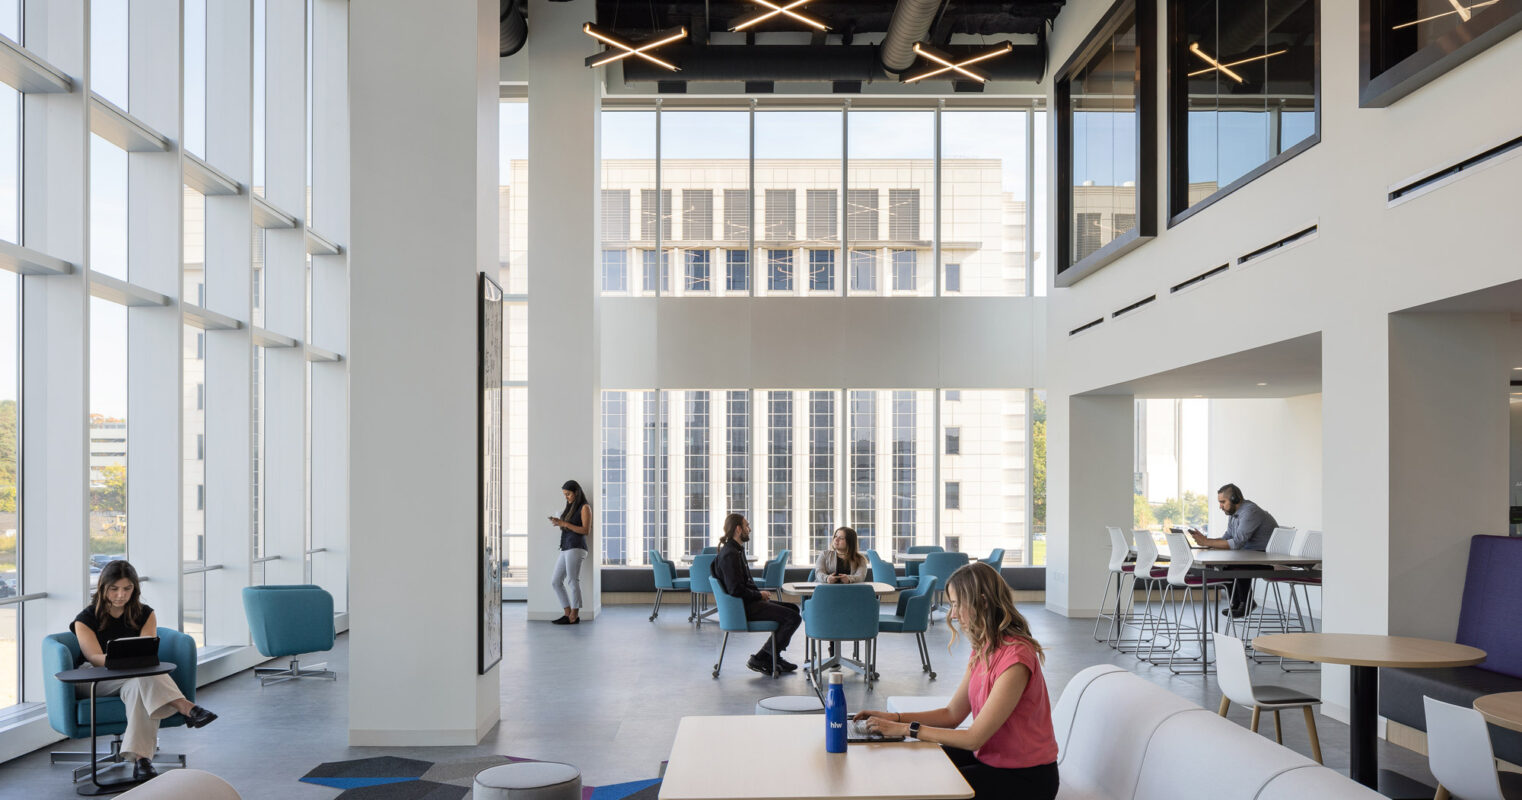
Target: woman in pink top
(1010,750)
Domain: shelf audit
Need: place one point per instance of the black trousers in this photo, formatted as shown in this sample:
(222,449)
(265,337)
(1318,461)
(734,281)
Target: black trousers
(784,614)
(1026,783)
(1241,588)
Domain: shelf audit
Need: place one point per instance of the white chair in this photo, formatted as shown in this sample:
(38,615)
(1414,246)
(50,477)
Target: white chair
(1459,753)
(1180,564)
(1237,687)
(1275,618)
(1120,552)
(1145,570)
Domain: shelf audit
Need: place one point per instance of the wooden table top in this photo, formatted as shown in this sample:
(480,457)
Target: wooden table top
(1502,710)
(782,757)
(806,588)
(1369,650)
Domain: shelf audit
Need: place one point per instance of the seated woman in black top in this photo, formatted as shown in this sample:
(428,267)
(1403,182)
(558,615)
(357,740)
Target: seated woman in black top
(116,611)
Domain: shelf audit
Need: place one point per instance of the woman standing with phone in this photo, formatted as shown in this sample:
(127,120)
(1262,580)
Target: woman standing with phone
(575,524)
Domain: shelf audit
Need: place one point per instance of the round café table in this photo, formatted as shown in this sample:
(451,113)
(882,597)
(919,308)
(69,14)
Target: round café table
(1365,654)
(1503,710)
(806,588)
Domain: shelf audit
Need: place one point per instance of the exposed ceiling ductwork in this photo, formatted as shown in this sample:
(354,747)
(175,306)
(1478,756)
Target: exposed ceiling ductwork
(910,23)
(512,30)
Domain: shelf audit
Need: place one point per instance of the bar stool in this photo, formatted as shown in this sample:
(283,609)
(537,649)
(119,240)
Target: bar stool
(1144,571)
(1180,564)
(1120,569)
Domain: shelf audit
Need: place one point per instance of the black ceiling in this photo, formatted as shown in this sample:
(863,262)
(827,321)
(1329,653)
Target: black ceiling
(983,17)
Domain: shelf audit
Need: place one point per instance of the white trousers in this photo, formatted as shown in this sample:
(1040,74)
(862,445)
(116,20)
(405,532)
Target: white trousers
(568,572)
(148,701)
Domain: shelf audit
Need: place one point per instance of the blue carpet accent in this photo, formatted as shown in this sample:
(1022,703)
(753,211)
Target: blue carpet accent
(618,791)
(354,783)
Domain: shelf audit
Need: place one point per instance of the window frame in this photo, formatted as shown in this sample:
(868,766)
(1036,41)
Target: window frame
(1431,62)
(1145,14)
(1177,90)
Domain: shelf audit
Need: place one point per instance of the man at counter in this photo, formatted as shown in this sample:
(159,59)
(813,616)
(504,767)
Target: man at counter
(1248,527)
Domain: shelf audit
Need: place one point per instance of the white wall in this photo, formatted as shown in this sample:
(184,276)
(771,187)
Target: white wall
(417,164)
(1367,261)
(1271,449)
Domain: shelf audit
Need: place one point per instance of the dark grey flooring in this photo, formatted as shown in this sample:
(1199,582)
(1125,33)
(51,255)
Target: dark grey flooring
(606,695)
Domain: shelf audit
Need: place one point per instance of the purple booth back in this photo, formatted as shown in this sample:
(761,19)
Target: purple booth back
(1492,597)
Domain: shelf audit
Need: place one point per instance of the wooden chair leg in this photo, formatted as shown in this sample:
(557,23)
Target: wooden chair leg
(1310,729)
(1278,732)
(1255,712)
(1225,704)
(1442,794)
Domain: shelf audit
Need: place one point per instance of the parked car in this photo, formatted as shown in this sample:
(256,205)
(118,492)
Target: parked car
(7,587)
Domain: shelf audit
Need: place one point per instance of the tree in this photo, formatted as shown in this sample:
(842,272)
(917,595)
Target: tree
(111,495)
(1196,509)
(1169,512)
(1038,461)
(1141,513)
(7,456)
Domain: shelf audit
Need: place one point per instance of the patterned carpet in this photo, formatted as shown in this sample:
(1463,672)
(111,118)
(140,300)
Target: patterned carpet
(392,778)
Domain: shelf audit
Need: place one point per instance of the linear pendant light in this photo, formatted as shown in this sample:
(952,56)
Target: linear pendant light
(948,65)
(1464,12)
(619,49)
(1195,48)
(780,9)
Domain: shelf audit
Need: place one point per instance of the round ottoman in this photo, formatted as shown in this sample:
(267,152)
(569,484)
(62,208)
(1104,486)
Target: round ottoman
(528,780)
(790,704)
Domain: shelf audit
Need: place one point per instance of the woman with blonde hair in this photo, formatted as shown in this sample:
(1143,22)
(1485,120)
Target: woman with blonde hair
(1010,750)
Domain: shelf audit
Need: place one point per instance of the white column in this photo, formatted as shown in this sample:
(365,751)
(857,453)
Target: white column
(423,97)
(1089,451)
(564,365)
(330,301)
(155,348)
(229,354)
(55,341)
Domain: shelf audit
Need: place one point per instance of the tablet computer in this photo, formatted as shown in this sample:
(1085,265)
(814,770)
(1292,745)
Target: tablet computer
(132,652)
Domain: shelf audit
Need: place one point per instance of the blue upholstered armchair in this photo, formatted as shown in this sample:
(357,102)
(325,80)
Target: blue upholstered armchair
(289,621)
(70,714)
(912,615)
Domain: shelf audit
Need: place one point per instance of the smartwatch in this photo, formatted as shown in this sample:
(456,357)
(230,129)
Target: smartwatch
(914,730)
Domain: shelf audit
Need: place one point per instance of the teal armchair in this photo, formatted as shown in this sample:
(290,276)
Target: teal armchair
(287,621)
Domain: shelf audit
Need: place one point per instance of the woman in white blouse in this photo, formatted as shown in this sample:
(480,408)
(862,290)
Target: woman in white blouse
(842,563)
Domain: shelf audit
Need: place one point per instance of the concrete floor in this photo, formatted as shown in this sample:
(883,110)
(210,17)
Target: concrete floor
(607,695)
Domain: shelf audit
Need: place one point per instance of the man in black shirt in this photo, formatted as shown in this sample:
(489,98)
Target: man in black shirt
(733,573)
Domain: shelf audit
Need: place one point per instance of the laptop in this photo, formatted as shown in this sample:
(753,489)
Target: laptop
(132,652)
(857,733)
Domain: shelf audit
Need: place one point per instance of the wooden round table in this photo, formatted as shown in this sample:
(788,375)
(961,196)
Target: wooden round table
(1503,710)
(1366,653)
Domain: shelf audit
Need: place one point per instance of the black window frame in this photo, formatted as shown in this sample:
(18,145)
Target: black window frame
(1145,13)
(1178,125)
(1431,62)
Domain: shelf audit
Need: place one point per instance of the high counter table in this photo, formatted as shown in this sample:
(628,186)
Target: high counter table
(783,758)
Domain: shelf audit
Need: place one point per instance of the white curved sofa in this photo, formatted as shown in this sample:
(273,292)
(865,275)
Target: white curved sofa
(1120,737)
(183,784)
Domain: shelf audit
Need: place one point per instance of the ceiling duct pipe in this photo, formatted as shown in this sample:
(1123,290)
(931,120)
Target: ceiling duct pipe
(1244,29)
(910,23)
(512,31)
(806,63)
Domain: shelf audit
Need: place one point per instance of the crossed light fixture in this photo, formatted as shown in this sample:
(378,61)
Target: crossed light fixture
(1464,12)
(619,50)
(1226,68)
(776,9)
(948,65)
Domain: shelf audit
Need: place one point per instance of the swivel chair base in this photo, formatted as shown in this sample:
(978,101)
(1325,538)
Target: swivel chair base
(109,759)
(269,675)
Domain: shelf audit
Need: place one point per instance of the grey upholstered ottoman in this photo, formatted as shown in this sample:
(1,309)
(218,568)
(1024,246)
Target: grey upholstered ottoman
(790,704)
(528,780)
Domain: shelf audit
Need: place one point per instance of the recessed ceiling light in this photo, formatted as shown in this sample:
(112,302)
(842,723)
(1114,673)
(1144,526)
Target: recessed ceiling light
(1262,383)
(1516,369)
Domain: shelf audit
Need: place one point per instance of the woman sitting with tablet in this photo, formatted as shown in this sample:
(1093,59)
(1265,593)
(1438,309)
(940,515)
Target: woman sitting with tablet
(116,612)
(1010,750)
